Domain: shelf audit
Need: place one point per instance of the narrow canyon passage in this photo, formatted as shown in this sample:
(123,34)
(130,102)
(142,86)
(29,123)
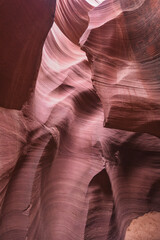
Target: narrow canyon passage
(79,120)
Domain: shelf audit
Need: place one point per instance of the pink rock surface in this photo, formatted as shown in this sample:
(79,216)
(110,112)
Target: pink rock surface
(62,174)
(122,45)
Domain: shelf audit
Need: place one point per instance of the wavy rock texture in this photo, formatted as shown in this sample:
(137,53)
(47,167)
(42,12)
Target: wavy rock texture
(62,174)
(122,45)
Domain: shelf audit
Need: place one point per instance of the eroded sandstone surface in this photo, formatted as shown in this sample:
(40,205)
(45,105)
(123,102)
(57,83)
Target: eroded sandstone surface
(79,120)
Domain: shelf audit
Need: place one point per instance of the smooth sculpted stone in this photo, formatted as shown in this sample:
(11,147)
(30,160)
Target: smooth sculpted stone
(24,26)
(122,43)
(62,174)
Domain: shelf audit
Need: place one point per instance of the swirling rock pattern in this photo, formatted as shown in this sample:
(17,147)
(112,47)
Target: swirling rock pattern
(62,174)
(125,61)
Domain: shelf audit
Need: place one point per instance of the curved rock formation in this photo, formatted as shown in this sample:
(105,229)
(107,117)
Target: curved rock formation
(24,26)
(125,61)
(62,174)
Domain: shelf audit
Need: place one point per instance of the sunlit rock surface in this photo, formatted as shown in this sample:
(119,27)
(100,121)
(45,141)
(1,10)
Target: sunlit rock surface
(63,175)
(145,227)
(122,45)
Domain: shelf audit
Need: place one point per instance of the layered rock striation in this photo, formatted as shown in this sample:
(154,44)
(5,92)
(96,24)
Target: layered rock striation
(79,142)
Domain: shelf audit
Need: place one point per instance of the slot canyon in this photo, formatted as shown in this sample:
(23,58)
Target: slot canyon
(79,120)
